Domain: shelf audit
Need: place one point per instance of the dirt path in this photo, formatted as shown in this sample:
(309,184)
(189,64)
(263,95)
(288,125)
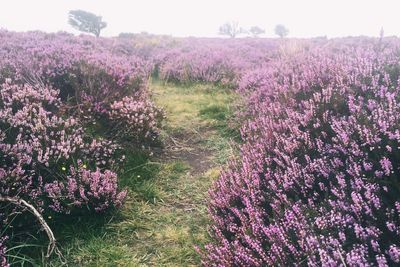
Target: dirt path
(189,148)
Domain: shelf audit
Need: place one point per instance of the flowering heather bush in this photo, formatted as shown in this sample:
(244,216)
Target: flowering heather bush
(95,190)
(30,135)
(318,180)
(105,154)
(36,144)
(135,120)
(97,96)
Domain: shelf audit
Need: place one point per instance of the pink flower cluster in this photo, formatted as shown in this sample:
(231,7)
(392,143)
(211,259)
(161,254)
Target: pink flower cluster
(135,119)
(84,188)
(317,182)
(37,145)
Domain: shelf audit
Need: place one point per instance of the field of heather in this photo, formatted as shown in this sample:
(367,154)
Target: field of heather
(149,150)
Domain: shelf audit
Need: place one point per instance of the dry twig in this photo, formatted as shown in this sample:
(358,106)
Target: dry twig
(22,203)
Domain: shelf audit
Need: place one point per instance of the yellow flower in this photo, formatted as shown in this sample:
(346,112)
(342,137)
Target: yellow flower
(63,168)
(84,166)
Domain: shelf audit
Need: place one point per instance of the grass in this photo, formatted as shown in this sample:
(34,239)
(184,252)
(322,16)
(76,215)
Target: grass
(165,214)
(201,106)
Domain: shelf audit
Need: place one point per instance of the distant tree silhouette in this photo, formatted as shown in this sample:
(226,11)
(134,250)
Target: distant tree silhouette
(255,31)
(381,33)
(86,22)
(231,29)
(281,30)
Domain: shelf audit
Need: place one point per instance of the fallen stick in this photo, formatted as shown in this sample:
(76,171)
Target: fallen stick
(22,203)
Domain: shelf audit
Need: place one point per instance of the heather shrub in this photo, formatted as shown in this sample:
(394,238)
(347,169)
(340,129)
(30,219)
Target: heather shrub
(105,101)
(103,80)
(84,188)
(38,146)
(103,153)
(135,120)
(118,101)
(318,179)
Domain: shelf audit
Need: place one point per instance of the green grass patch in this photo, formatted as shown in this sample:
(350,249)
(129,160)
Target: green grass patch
(215,112)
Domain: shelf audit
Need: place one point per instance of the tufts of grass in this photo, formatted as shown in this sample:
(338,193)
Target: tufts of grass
(215,112)
(17,256)
(183,104)
(223,142)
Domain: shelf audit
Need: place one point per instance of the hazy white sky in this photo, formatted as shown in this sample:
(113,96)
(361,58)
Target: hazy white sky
(304,18)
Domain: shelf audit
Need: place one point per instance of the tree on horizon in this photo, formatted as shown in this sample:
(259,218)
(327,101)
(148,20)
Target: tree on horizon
(256,30)
(281,30)
(86,22)
(231,29)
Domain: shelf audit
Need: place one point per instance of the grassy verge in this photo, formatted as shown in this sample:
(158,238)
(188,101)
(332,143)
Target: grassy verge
(165,214)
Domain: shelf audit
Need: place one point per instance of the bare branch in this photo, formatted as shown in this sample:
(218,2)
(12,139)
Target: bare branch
(22,203)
